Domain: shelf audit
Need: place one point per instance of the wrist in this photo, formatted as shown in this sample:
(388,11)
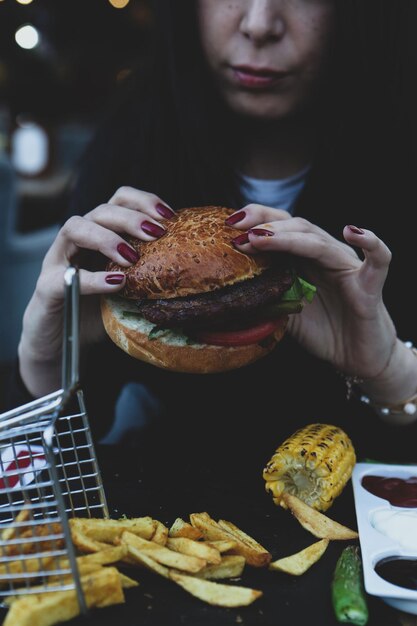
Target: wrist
(40,375)
(39,368)
(398,380)
(41,337)
(393,393)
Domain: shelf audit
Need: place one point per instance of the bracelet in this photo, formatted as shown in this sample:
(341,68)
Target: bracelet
(408,407)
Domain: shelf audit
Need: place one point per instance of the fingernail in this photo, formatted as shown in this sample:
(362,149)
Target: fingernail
(240,239)
(152,229)
(164,210)
(235,218)
(127,252)
(356,230)
(114,279)
(261,232)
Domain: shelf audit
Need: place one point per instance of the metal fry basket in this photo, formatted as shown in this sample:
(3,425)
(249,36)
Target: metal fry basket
(48,474)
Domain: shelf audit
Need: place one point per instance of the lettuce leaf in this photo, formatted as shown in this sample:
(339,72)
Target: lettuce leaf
(300,290)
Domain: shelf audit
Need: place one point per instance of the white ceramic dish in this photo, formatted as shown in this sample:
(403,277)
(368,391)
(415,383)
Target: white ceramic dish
(375,545)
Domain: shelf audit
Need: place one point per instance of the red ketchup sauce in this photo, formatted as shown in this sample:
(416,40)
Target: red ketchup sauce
(399,571)
(398,491)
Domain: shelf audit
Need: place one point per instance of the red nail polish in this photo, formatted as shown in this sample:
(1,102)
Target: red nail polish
(356,230)
(114,279)
(240,239)
(235,218)
(164,210)
(127,252)
(261,232)
(153,229)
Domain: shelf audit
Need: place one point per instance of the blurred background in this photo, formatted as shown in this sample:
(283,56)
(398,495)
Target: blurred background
(60,61)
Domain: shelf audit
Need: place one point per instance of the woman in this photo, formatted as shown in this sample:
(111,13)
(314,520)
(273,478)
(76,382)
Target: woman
(287,100)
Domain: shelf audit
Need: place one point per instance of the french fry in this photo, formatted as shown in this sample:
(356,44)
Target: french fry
(209,527)
(127,582)
(163,555)
(106,530)
(9,532)
(194,548)
(104,557)
(315,522)
(101,589)
(216,593)
(55,581)
(161,533)
(223,545)
(254,553)
(143,559)
(87,569)
(298,563)
(231,566)
(84,569)
(107,577)
(190,554)
(12,569)
(52,532)
(180,528)
(85,543)
(113,554)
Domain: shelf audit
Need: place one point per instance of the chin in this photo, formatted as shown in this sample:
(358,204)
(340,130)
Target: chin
(264,105)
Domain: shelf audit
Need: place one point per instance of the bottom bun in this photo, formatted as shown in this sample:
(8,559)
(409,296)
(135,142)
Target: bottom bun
(171,350)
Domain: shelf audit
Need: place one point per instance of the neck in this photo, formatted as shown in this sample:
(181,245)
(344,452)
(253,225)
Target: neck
(275,150)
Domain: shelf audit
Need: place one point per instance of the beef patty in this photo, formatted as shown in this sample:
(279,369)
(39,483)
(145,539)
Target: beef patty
(240,301)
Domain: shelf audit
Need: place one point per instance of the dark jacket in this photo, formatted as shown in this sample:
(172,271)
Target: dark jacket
(238,418)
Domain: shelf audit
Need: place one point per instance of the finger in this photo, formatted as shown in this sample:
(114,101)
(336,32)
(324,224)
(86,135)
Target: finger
(79,233)
(51,284)
(120,219)
(253,214)
(139,200)
(325,250)
(100,282)
(376,252)
(271,228)
(287,224)
(255,240)
(377,255)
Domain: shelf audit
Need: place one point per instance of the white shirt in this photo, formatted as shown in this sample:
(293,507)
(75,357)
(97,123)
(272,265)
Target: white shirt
(280,193)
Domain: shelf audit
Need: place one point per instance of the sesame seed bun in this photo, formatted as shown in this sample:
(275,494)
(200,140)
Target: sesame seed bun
(194,256)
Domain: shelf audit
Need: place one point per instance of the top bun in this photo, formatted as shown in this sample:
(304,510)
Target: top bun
(195,255)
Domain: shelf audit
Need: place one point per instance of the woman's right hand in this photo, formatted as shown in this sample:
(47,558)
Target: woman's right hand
(83,241)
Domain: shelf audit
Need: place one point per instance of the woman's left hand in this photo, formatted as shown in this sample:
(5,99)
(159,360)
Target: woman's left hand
(347,322)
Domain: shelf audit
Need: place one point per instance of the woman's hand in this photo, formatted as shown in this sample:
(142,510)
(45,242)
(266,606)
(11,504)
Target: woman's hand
(86,241)
(347,323)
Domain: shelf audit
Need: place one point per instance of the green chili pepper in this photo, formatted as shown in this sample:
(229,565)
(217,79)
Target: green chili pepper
(348,594)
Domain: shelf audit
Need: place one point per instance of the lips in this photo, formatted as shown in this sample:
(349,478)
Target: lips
(257,77)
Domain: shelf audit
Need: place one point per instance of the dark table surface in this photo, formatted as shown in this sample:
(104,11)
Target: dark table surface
(137,485)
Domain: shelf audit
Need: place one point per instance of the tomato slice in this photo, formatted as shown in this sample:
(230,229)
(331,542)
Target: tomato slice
(242,336)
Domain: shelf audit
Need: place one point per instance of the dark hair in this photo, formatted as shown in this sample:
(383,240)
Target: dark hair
(164,131)
(168,132)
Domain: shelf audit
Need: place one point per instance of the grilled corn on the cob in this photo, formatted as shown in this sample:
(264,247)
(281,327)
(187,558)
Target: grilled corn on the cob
(313,464)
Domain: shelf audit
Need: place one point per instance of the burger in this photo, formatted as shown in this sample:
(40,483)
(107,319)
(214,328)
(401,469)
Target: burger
(194,303)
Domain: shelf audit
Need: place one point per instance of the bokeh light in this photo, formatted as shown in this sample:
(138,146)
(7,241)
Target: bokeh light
(27,37)
(119,4)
